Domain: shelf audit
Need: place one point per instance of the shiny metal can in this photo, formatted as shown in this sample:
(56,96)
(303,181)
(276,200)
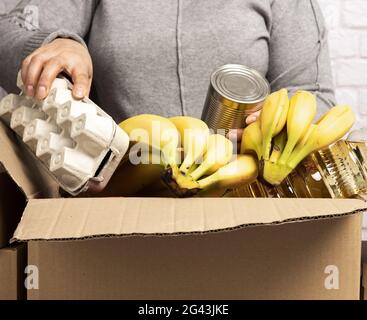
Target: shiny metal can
(235,91)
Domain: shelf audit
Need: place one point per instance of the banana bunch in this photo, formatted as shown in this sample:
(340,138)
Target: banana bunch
(191,159)
(285,133)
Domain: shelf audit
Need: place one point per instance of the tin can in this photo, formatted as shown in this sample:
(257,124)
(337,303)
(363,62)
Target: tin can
(235,91)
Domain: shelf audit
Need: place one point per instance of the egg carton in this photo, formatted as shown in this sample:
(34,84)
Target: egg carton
(78,143)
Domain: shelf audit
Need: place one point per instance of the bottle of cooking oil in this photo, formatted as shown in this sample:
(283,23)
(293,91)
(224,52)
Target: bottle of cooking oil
(308,182)
(337,171)
(253,190)
(341,169)
(357,142)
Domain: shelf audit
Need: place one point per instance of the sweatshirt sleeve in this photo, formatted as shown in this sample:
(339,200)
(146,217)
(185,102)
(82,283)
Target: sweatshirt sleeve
(298,51)
(33,23)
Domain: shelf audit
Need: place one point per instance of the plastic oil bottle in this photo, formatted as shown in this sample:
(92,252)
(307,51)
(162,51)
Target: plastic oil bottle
(337,171)
(343,169)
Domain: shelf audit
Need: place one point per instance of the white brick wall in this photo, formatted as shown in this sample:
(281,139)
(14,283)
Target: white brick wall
(347,24)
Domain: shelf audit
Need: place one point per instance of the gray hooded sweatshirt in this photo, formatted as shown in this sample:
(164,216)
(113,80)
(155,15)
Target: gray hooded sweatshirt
(156,56)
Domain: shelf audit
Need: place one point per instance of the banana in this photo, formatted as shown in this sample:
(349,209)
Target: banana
(241,171)
(329,129)
(304,139)
(302,110)
(273,119)
(181,185)
(252,139)
(275,173)
(192,168)
(278,146)
(194,136)
(129,179)
(219,153)
(155,131)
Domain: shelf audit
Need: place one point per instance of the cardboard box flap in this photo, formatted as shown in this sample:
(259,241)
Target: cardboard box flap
(63,219)
(364,281)
(23,168)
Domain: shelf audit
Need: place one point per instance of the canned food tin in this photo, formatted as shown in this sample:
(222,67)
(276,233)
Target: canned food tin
(235,92)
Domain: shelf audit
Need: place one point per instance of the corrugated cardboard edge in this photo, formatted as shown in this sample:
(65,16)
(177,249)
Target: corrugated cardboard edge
(21,166)
(80,219)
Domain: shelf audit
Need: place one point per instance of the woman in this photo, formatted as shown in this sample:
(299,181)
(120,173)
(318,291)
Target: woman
(157,56)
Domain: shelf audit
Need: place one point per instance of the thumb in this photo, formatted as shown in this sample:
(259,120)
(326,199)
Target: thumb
(252,117)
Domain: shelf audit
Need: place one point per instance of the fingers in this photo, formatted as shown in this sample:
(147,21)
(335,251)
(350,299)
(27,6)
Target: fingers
(41,68)
(26,63)
(34,71)
(235,136)
(50,71)
(82,83)
(253,117)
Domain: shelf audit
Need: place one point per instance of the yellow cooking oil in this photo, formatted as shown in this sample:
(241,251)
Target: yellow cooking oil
(359,151)
(307,180)
(338,171)
(341,169)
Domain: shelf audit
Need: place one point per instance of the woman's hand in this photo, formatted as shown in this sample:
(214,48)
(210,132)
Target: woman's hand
(252,117)
(236,135)
(42,67)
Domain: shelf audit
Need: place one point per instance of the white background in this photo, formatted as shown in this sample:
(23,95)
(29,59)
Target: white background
(347,24)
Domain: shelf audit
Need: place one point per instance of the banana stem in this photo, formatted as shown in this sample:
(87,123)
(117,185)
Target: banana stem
(169,158)
(187,164)
(199,171)
(296,158)
(275,173)
(192,168)
(208,181)
(286,153)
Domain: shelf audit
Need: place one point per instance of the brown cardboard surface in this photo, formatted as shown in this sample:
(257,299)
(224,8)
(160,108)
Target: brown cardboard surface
(12,265)
(364,251)
(364,280)
(364,270)
(267,262)
(85,218)
(27,173)
(12,204)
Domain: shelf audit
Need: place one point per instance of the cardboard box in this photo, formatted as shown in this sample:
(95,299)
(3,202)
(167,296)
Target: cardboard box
(13,261)
(20,179)
(139,248)
(12,204)
(364,283)
(364,270)
(268,262)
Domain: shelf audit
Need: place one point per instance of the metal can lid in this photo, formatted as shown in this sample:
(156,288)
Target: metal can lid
(240,84)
